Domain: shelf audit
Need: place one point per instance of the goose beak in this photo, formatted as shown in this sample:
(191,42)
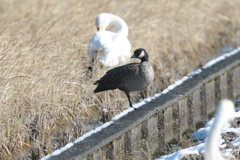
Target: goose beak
(134,56)
(99,28)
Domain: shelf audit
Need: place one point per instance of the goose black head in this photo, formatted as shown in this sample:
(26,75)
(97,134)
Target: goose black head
(140,54)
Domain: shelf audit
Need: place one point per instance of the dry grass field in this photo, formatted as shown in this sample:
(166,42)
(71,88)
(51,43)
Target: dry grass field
(46,98)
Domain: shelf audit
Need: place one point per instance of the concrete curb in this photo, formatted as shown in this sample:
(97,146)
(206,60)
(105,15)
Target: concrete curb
(143,133)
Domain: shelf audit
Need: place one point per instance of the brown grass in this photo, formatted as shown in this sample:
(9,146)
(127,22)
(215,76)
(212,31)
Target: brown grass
(46,99)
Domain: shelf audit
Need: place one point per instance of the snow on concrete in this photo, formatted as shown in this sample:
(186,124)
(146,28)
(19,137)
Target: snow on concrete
(181,153)
(71,144)
(201,135)
(220,58)
(140,104)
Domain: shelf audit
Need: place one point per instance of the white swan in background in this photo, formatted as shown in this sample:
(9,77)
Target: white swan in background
(110,48)
(225,113)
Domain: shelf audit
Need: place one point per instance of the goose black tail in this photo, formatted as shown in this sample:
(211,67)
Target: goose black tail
(101,86)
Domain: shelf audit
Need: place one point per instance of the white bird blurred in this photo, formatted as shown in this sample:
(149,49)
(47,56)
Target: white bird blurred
(110,48)
(225,113)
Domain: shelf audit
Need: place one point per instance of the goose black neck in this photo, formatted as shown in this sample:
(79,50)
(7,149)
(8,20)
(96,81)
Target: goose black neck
(144,58)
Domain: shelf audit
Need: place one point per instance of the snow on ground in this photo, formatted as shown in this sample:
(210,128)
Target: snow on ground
(201,135)
(140,104)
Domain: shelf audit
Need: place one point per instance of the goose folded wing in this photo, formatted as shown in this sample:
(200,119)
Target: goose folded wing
(114,77)
(117,75)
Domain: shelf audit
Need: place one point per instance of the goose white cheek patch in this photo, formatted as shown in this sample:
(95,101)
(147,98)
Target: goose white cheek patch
(141,55)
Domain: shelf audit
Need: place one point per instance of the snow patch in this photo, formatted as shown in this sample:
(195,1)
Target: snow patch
(212,62)
(201,134)
(181,153)
(140,104)
(71,144)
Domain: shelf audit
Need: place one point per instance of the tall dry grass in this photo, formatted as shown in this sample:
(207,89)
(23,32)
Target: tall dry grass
(46,97)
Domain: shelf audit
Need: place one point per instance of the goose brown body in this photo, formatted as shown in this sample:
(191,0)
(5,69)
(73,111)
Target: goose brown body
(128,78)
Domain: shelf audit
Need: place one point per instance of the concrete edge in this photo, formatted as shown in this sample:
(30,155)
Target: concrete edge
(132,119)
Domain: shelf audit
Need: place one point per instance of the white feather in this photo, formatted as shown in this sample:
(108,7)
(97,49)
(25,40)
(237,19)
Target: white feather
(110,48)
(142,54)
(225,113)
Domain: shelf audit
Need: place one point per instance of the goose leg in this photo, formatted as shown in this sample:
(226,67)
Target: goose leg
(128,96)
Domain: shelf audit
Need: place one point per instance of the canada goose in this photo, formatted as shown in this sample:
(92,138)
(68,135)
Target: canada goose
(225,113)
(110,48)
(129,77)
